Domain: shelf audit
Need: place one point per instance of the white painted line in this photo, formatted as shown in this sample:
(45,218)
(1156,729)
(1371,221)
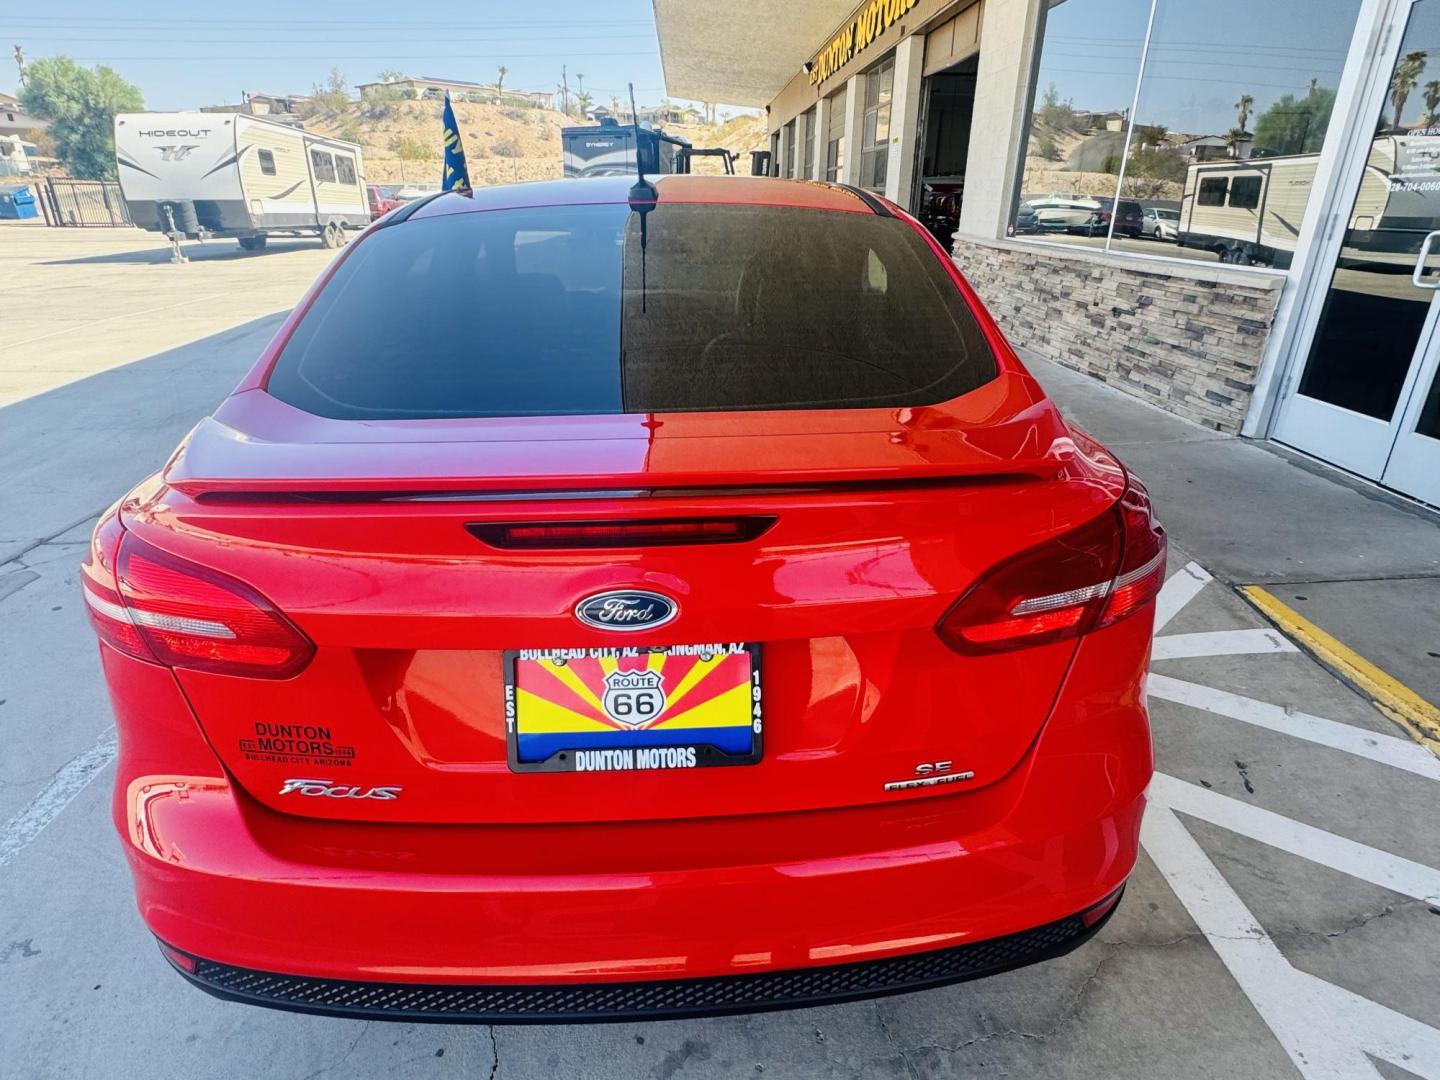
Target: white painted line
(1221,643)
(1326,1030)
(1179,589)
(56,795)
(1359,861)
(1386,749)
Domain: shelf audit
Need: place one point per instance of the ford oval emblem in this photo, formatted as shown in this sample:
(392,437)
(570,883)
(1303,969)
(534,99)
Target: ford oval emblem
(626,609)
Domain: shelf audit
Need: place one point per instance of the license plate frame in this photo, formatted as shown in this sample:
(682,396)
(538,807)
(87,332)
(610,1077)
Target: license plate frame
(609,749)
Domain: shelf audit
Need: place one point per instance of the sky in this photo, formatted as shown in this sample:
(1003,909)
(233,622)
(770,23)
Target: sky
(183,55)
(1203,56)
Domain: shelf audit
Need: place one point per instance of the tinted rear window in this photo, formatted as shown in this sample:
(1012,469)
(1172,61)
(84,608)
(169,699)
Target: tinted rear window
(564,311)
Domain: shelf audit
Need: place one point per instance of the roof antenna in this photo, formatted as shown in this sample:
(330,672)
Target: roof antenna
(642,190)
(642,197)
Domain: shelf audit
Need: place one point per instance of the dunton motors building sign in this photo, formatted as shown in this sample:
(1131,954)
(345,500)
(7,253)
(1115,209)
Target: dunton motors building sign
(851,40)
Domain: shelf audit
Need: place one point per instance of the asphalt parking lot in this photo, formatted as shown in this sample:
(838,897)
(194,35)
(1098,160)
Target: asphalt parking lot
(1283,921)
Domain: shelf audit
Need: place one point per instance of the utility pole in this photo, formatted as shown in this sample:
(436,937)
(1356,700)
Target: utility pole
(564,91)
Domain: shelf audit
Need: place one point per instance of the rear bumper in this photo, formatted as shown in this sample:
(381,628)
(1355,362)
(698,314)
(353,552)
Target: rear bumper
(484,908)
(664,999)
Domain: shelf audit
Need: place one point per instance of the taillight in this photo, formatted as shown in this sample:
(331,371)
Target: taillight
(97,579)
(1090,577)
(156,606)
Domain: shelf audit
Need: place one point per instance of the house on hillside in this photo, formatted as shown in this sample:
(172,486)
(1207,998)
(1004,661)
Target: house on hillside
(1204,148)
(14,120)
(426,87)
(282,108)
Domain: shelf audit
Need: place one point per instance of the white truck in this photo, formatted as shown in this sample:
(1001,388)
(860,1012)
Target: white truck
(196,175)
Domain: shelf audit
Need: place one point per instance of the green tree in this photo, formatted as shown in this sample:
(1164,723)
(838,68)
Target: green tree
(500,80)
(1151,163)
(80,104)
(584,101)
(1242,111)
(1432,101)
(335,94)
(1152,135)
(409,148)
(1407,74)
(1056,115)
(378,102)
(1295,125)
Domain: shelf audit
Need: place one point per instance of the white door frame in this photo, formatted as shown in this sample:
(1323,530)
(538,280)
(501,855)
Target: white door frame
(1414,464)
(1349,439)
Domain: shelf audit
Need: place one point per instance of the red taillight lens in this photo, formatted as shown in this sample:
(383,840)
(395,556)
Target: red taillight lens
(97,579)
(1092,576)
(1142,569)
(156,606)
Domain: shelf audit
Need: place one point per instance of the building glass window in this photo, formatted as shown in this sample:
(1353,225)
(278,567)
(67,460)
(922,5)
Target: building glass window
(875,133)
(1228,95)
(835,138)
(806,128)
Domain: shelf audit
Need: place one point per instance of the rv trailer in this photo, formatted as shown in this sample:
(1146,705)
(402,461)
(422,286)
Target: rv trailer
(608,149)
(1249,211)
(228,174)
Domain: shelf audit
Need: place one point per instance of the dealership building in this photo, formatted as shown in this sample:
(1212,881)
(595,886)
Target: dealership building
(1226,208)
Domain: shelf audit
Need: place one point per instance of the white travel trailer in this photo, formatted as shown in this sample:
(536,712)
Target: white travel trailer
(1249,211)
(229,174)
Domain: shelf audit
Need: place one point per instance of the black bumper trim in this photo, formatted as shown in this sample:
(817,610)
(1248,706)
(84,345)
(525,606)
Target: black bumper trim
(561,1003)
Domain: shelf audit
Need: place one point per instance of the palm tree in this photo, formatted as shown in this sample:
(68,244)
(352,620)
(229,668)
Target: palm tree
(583,101)
(1407,74)
(1432,101)
(1242,108)
(500,80)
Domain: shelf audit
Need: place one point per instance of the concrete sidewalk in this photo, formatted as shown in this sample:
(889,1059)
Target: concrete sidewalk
(1362,564)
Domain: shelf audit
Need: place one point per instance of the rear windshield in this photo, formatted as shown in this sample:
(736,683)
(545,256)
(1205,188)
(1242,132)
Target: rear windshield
(587,309)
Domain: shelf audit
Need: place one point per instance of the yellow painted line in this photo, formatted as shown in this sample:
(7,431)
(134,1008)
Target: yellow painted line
(1419,718)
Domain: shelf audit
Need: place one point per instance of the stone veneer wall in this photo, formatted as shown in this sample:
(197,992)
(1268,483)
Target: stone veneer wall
(1186,338)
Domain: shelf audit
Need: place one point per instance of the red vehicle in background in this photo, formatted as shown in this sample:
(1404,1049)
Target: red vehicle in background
(383,199)
(608,600)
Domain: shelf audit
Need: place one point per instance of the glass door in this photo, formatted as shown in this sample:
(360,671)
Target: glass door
(1360,401)
(1414,465)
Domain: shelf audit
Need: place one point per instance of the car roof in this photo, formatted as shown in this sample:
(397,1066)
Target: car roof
(732,190)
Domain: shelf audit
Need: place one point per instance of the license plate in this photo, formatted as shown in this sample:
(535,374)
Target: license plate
(626,709)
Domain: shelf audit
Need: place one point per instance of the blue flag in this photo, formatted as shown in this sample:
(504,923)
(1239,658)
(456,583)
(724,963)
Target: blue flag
(456,177)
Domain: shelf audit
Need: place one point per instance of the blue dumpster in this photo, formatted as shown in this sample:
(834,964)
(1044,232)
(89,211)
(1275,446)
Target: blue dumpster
(17,202)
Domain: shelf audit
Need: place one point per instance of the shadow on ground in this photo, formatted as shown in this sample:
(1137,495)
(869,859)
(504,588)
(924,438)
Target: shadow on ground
(210,251)
(68,453)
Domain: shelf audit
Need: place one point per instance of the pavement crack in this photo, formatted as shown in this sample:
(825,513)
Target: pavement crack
(364,1027)
(494,1054)
(1365,918)
(902,1051)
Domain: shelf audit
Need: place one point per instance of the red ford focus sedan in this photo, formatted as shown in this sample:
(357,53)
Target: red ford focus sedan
(606,601)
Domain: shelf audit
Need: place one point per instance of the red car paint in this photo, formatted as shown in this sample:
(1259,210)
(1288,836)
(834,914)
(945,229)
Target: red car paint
(903,541)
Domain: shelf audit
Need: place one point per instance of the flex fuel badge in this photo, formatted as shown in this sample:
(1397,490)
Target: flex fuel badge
(296,744)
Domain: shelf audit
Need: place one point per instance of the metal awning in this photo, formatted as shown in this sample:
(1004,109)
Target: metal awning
(742,52)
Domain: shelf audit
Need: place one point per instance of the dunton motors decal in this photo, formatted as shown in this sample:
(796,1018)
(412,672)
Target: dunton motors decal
(295,744)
